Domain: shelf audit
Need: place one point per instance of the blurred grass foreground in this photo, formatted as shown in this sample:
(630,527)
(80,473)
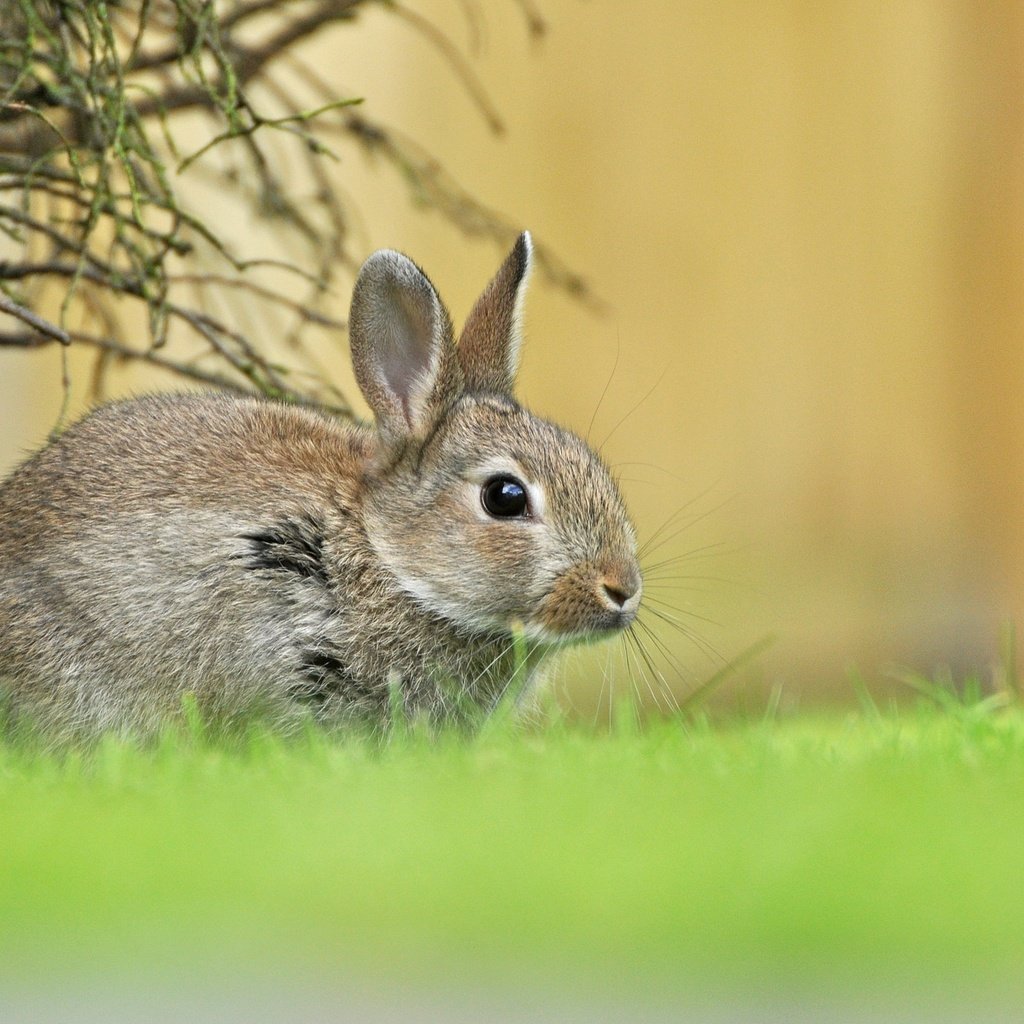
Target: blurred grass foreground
(873,851)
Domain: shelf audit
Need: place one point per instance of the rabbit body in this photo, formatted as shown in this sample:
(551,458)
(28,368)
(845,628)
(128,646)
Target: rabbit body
(270,559)
(251,585)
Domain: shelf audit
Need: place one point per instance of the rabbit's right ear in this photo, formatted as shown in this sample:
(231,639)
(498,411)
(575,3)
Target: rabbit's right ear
(403,352)
(489,346)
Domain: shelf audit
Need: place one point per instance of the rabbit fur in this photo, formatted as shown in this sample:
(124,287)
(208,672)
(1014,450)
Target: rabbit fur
(268,558)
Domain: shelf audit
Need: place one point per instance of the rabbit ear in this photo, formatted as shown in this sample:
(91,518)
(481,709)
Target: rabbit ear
(489,347)
(402,348)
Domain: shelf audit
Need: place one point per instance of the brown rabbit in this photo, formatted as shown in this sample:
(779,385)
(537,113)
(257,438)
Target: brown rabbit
(264,557)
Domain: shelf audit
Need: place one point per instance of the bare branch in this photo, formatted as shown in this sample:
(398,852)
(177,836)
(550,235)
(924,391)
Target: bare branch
(457,62)
(26,316)
(92,219)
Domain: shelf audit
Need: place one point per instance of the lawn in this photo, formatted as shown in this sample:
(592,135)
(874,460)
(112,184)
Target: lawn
(866,849)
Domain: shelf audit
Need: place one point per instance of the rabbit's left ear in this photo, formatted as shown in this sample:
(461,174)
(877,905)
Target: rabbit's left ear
(489,347)
(402,349)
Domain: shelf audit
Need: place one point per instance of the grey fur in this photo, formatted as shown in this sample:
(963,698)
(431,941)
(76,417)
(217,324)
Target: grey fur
(270,559)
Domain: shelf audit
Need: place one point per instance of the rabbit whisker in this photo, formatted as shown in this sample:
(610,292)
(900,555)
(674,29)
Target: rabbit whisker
(632,667)
(703,551)
(683,630)
(654,387)
(667,582)
(665,651)
(646,547)
(655,542)
(652,671)
(661,603)
(607,384)
(513,676)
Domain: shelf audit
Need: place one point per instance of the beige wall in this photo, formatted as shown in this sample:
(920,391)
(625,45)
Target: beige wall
(806,221)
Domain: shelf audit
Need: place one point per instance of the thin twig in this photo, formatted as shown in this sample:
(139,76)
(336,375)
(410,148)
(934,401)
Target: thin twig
(26,316)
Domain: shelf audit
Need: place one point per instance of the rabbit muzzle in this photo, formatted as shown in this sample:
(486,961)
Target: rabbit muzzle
(589,602)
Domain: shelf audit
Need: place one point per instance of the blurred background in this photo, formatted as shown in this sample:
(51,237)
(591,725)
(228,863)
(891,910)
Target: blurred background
(803,225)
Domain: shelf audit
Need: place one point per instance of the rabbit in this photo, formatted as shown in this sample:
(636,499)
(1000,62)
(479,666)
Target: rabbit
(266,557)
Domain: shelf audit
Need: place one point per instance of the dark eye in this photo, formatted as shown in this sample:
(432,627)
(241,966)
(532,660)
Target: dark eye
(504,497)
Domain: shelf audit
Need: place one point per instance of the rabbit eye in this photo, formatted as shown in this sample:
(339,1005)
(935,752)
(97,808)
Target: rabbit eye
(504,497)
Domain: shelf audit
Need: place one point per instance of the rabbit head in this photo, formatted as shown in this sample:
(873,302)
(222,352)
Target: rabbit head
(484,513)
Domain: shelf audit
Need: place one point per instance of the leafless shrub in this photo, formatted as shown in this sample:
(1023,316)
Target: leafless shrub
(98,199)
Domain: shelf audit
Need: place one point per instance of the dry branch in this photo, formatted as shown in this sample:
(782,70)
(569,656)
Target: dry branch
(96,192)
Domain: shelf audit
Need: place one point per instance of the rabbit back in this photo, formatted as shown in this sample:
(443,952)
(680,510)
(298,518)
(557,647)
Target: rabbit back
(173,545)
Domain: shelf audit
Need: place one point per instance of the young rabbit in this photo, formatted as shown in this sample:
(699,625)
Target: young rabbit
(265,557)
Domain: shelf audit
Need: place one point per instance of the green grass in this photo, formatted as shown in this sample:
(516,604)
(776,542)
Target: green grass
(880,849)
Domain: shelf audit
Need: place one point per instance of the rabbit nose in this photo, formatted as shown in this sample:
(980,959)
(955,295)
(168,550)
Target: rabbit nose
(620,597)
(620,589)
